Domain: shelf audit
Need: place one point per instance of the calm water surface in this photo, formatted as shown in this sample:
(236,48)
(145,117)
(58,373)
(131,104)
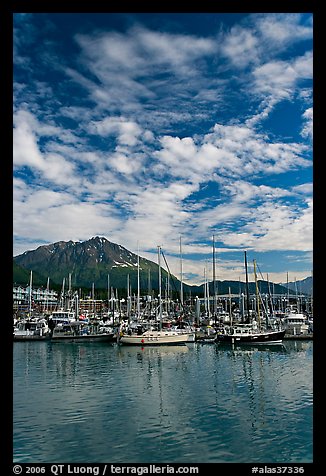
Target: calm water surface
(98,403)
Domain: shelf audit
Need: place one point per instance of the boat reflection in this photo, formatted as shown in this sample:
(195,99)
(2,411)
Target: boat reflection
(279,347)
(155,351)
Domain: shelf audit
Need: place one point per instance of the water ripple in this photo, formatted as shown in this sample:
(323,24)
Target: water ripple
(99,403)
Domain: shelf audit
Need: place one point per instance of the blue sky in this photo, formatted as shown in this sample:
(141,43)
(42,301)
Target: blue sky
(145,128)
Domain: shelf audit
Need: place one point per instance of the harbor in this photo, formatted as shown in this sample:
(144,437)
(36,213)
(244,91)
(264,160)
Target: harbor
(159,318)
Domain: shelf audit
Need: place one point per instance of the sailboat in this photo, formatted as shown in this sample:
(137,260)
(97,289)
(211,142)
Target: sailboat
(154,334)
(252,332)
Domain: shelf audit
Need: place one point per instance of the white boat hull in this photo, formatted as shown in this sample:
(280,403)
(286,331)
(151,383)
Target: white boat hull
(156,338)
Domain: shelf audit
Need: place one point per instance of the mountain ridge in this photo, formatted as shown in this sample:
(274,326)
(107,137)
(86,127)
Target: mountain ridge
(88,261)
(98,261)
(302,286)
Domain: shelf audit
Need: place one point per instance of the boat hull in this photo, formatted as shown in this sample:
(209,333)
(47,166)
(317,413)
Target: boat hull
(205,340)
(273,337)
(24,338)
(84,338)
(155,339)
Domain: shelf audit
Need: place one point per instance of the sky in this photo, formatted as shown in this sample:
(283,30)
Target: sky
(155,129)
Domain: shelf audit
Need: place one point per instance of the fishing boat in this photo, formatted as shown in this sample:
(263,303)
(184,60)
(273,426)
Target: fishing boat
(79,331)
(68,325)
(28,330)
(295,323)
(63,316)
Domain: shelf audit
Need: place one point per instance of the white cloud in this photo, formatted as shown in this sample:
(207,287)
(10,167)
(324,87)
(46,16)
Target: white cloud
(304,189)
(124,164)
(279,78)
(262,37)
(282,29)
(52,213)
(130,67)
(255,153)
(135,53)
(270,226)
(240,46)
(25,147)
(127,132)
(276,81)
(26,150)
(307,130)
(177,50)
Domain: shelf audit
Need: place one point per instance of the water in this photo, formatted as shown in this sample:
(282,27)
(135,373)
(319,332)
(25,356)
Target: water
(97,403)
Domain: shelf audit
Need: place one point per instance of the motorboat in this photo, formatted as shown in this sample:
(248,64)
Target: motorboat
(31,330)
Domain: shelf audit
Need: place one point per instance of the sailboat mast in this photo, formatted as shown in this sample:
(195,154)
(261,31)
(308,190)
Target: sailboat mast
(159,285)
(247,286)
(257,295)
(230,306)
(207,294)
(271,298)
(128,298)
(30,294)
(149,296)
(47,295)
(108,293)
(169,300)
(287,285)
(214,281)
(149,284)
(93,300)
(138,284)
(62,296)
(181,275)
(296,294)
(76,300)
(113,304)
(205,291)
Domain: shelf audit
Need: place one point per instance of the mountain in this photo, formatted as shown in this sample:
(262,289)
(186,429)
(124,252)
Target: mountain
(89,262)
(21,276)
(93,260)
(304,286)
(235,287)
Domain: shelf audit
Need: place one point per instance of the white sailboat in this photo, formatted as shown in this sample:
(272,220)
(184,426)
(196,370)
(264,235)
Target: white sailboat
(153,335)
